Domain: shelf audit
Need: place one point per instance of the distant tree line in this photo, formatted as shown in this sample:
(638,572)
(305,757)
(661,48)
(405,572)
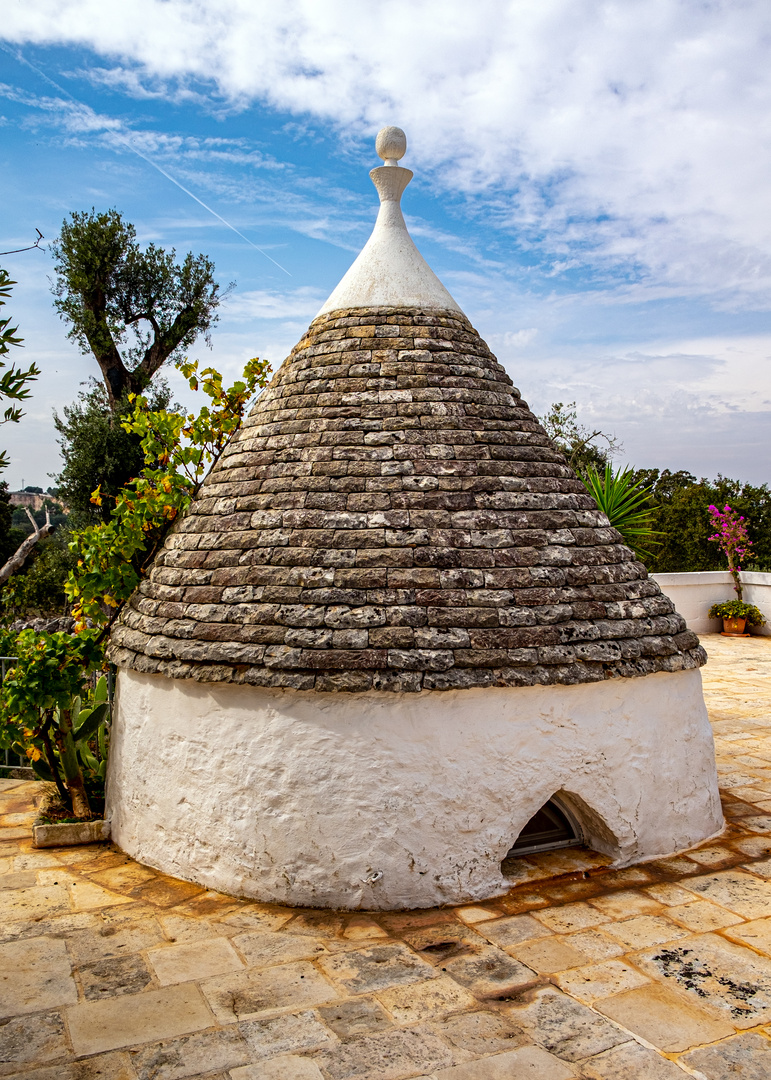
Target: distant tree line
(679,499)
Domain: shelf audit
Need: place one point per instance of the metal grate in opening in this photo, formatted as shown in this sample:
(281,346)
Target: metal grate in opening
(546,830)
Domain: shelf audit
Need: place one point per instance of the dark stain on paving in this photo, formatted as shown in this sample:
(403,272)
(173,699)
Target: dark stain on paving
(693,973)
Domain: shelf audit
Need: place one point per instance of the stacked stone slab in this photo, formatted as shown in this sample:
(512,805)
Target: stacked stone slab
(393,517)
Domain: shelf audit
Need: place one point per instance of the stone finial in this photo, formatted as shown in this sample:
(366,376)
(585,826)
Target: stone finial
(391,144)
(390,271)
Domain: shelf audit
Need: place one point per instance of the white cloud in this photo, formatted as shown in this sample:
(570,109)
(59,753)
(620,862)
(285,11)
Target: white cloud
(518,339)
(270,304)
(653,115)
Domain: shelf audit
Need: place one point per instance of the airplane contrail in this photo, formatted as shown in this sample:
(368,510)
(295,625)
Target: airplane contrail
(118,134)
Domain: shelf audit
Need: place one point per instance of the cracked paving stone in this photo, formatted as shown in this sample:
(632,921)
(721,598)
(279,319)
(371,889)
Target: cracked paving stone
(191,1055)
(756,934)
(282,1034)
(717,973)
(564,1027)
(743,1057)
(114,976)
(101,1067)
(364,971)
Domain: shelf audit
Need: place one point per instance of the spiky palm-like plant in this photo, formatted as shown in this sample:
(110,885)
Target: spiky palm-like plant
(626,504)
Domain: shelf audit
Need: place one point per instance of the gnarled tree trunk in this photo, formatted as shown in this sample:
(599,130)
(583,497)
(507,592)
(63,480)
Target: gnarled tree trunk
(18,559)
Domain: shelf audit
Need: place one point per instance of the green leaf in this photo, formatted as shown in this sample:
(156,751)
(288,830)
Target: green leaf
(626,505)
(90,725)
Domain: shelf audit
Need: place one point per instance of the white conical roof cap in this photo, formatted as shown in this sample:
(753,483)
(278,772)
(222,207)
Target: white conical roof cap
(390,271)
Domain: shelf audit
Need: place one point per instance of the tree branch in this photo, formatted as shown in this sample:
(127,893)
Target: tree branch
(17,560)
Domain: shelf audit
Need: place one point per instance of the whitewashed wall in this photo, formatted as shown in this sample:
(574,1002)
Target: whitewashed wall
(694,594)
(382,800)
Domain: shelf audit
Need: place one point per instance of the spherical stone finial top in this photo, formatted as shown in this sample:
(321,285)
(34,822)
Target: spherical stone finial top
(391,144)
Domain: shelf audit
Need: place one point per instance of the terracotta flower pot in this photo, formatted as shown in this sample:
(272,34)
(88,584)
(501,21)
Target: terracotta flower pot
(734,627)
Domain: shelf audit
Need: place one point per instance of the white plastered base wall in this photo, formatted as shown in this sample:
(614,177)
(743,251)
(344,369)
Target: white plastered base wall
(381,800)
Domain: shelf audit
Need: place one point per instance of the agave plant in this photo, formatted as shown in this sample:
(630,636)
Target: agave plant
(626,504)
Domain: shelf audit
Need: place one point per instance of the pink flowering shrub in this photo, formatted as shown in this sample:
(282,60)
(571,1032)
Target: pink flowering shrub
(731,535)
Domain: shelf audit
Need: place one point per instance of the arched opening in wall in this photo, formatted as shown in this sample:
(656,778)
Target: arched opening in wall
(551,827)
(564,821)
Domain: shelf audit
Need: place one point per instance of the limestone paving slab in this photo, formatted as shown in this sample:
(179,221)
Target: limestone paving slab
(591,973)
(32,1040)
(387,1056)
(194,960)
(744,1056)
(281,1034)
(35,975)
(287,1067)
(528,1061)
(265,950)
(96,1026)
(630,1061)
(600,980)
(246,995)
(662,1018)
(364,971)
(564,1027)
(427,1000)
(191,1055)
(717,973)
(112,1066)
(358,1016)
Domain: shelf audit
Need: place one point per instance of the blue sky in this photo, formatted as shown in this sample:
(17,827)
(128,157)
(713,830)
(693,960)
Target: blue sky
(591,184)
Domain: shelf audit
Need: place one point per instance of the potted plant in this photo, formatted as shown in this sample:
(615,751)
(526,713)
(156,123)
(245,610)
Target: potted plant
(46,715)
(736,615)
(731,536)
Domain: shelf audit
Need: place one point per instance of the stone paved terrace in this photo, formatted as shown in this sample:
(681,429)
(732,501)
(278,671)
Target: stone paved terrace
(110,970)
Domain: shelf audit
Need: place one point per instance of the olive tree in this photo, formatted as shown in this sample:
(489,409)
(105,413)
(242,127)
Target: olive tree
(133,309)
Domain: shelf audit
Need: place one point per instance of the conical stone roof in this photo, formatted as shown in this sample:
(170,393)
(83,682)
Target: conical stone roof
(392,516)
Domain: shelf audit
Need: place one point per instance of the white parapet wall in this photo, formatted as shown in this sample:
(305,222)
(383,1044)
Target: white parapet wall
(694,594)
(384,801)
